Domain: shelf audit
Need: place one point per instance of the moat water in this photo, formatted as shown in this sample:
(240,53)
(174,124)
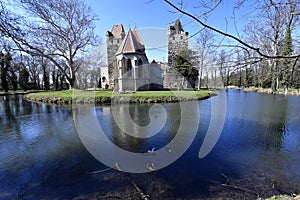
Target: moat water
(257,154)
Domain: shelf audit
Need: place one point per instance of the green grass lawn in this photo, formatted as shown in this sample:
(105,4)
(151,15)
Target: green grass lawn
(105,96)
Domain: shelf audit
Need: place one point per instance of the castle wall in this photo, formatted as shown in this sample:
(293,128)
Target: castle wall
(156,80)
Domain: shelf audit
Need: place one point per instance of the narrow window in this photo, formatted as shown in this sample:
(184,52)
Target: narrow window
(129,68)
(140,68)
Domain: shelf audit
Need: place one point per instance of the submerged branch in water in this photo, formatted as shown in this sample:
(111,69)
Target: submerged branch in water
(99,171)
(143,196)
(240,188)
(228,184)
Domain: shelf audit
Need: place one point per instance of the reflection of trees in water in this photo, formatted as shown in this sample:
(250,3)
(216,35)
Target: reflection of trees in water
(273,164)
(272,116)
(10,109)
(261,127)
(26,118)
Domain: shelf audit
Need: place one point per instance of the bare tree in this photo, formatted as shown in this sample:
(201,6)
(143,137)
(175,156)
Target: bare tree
(204,43)
(89,74)
(57,30)
(243,43)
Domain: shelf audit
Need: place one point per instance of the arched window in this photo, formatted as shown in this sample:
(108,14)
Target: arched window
(122,66)
(140,62)
(129,68)
(140,68)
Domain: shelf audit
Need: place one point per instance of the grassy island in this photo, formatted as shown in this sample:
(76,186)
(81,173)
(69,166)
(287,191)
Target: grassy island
(107,96)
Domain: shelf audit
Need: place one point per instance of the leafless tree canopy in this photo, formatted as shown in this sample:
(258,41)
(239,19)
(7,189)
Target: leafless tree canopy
(265,48)
(281,15)
(57,30)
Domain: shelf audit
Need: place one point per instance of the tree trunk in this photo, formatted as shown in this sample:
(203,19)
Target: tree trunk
(200,77)
(273,79)
(71,82)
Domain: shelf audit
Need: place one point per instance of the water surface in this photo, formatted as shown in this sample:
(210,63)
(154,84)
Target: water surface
(258,153)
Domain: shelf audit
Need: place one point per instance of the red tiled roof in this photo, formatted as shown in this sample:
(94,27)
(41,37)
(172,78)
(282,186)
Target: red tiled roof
(131,44)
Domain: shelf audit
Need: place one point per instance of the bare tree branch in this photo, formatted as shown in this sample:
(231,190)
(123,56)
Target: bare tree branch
(257,50)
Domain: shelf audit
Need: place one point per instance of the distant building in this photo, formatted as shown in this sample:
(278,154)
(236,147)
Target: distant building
(128,67)
(104,76)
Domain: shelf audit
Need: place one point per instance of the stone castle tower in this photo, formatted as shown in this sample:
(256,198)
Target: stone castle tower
(114,39)
(177,41)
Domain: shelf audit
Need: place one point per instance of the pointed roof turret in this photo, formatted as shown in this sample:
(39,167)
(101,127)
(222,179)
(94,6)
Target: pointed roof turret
(131,44)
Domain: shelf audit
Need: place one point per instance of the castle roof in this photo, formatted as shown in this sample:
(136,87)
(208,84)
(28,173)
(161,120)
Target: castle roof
(117,29)
(177,27)
(132,43)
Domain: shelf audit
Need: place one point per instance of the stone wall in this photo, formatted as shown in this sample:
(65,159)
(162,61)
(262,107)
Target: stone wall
(171,78)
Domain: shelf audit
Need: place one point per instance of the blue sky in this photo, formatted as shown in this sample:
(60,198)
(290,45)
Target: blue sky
(152,20)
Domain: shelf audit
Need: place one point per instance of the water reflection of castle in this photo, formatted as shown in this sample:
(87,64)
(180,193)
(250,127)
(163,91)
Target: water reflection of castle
(128,68)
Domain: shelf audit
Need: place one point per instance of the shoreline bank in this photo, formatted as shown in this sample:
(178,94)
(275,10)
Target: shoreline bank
(294,92)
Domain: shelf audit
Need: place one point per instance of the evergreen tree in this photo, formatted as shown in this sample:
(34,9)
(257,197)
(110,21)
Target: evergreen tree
(46,79)
(14,81)
(24,79)
(287,51)
(4,65)
(185,62)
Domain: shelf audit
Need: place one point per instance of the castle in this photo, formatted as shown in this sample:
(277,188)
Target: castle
(128,68)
